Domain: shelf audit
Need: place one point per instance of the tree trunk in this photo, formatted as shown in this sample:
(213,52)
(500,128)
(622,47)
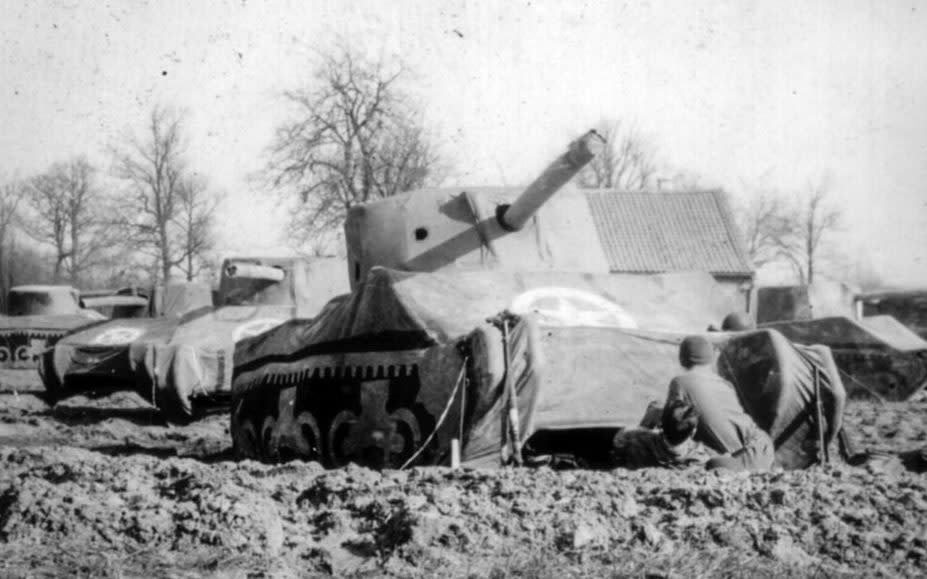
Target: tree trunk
(810,250)
(3,273)
(57,272)
(75,266)
(165,256)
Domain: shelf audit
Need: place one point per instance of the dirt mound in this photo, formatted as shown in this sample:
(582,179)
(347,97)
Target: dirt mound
(99,487)
(356,520)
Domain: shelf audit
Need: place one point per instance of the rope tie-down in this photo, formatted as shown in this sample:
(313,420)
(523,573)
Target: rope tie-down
(461,379)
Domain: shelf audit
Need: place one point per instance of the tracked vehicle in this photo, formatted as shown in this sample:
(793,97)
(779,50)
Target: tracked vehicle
(175,361)
(877,355)
(38,315)
(489,316)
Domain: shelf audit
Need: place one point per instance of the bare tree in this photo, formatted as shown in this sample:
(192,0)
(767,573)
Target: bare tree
(764,223)
(626,162)
(18,263)
(857,268)
(68,214)
(679,180)
(808,227)
(158,186)
(50,225)
(354,136)
(11,193)
(194,221)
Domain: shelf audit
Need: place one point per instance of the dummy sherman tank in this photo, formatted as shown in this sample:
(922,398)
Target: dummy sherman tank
(907,306)
(489,316)
(38,315)
(876,354)
(176,360)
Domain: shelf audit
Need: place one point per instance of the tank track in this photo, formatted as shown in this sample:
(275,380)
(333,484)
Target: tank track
(23,348)
(334,415)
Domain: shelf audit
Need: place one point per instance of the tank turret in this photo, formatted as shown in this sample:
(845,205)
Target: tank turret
(482,228)
(255,271)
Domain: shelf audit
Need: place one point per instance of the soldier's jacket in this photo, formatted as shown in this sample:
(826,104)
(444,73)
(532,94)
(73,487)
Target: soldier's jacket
(646,448)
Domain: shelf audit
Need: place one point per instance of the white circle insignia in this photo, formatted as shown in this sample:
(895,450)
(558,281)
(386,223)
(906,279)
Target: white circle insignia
(566,306)
(118,336)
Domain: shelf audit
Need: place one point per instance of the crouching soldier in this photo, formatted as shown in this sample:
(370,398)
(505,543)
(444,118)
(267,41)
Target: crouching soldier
(723,424)
(671,446)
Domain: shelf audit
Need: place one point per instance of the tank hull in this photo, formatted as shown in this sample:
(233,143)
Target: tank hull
(388,377)
(170,361)
(23,339)
(182,361)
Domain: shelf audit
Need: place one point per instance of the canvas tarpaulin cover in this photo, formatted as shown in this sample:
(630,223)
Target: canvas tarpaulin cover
(111,349)
(197,358)
(777,381)
(445,306)
(178,358)
(573,376)
(876,355)
(606,377)
(178,299)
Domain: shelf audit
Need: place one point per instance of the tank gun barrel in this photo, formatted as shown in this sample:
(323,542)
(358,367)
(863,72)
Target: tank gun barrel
(513,217)
(255,271)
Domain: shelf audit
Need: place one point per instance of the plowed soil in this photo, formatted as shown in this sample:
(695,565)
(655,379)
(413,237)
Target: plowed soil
(101,487)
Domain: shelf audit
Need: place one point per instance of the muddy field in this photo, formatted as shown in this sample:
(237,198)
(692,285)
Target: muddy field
(101,487)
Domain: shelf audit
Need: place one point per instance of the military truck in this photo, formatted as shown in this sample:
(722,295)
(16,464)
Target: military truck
(488,316)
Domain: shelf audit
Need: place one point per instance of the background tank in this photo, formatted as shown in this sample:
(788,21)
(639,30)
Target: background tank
(876,353)
(178,358)
(907,306)
(38,315)
(390,374)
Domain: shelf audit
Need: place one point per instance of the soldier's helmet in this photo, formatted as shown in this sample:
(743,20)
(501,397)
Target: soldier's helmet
(737,322)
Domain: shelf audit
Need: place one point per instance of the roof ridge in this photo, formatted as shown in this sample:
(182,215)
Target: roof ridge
(607,191)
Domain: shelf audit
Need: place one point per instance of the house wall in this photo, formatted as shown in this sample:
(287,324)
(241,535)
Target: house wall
(794,302)
(735,287)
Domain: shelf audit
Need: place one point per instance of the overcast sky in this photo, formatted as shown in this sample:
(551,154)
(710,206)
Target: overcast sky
(743,94)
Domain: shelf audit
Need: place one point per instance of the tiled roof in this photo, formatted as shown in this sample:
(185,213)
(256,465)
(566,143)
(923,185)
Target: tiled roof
(665,232)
